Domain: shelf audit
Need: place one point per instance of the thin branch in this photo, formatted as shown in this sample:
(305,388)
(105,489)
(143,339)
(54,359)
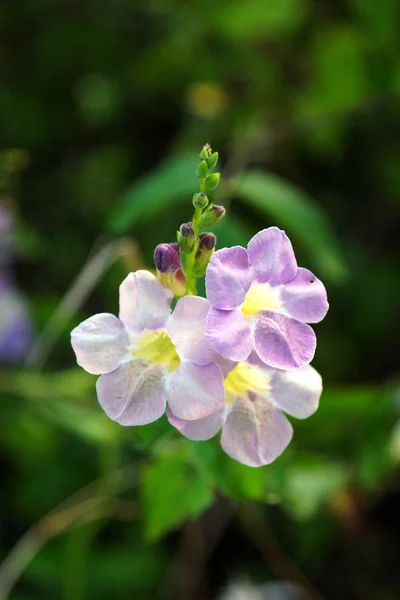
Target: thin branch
(82,286)
(79,508)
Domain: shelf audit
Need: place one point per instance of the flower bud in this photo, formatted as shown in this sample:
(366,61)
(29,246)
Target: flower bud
(202,170)
(200,200)
(212,161)
(211,181)
(206,152)
(205,251)
(186,237)
(169,268)
(212,215)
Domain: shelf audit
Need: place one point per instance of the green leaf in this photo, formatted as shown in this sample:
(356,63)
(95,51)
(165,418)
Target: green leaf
(303,218)
(166,186)
(172,492)
(309,484)
(227,475)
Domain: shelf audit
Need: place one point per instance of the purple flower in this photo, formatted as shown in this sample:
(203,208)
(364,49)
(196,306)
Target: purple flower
(15,323)
(254,429)
(262,300)
(148,355)
(167,259)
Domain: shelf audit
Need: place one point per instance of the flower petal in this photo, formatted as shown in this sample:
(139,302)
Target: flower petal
(304,298)
(272,257)
(195,391)
(229,333)
(186,328)
(143,301)
(100,343)
(297,392)
(283,342)
(133,394)
(228,277)
(199,429)
(255,433)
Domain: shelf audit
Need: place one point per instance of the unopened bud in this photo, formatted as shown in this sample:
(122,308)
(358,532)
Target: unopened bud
(205,251)
(207,241)
(212,215)
(169,268)
(211,181)
(200,200)
(202,170)
(206,152)
(186,237)
(212,161)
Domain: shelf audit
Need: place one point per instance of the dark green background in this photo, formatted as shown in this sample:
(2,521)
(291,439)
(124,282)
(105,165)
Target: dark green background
(104,106)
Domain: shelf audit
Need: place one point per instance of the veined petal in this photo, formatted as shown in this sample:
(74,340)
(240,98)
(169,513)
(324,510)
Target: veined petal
(283,342)
(304,298)
(229,333)
(100,343)
(199,429)
(255,433)
(143,301)
(186,328)
(272,257)
(228,277)
(133,394)
(297,392)
(196,391)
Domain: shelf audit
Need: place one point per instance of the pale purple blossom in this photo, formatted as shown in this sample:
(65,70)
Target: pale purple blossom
(261,300)
(149,356)
(15,323)
(255,430)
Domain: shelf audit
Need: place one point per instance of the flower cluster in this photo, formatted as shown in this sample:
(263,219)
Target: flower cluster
(235,361)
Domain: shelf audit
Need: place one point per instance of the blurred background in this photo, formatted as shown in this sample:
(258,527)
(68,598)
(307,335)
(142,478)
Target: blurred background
(104,107)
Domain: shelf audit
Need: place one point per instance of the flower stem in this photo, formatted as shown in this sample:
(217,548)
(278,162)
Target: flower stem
(191,287)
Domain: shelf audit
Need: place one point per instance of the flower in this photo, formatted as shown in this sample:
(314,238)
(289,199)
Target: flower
(262,300)
(167,258)
(15,324)
(148,355)
(254,429)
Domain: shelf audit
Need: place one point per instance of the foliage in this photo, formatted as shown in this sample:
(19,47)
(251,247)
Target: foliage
(102,108)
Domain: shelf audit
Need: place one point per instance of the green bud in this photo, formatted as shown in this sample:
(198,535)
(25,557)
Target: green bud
(206,152)
(200,200)
(202,170)
(212,215)
(186,237)
(212,161)
(211,181)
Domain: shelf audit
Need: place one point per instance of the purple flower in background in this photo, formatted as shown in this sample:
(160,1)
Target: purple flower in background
(149,356)
(15,323)
(254,429)
(261,300)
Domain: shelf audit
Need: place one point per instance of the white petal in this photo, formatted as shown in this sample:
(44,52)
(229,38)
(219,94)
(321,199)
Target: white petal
(143,301)
(100,343)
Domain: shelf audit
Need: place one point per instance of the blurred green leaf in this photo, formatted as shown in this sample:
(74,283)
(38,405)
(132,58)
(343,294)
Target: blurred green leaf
(172,492)
(62,399)
(304,220)
(257,18)
(170,183)
(227,475)
(309,484)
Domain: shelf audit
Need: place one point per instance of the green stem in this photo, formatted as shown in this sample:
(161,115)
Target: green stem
(191,286)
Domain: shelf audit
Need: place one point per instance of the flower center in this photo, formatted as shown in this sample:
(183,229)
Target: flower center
(156,348)
(245,379)
(261,297)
